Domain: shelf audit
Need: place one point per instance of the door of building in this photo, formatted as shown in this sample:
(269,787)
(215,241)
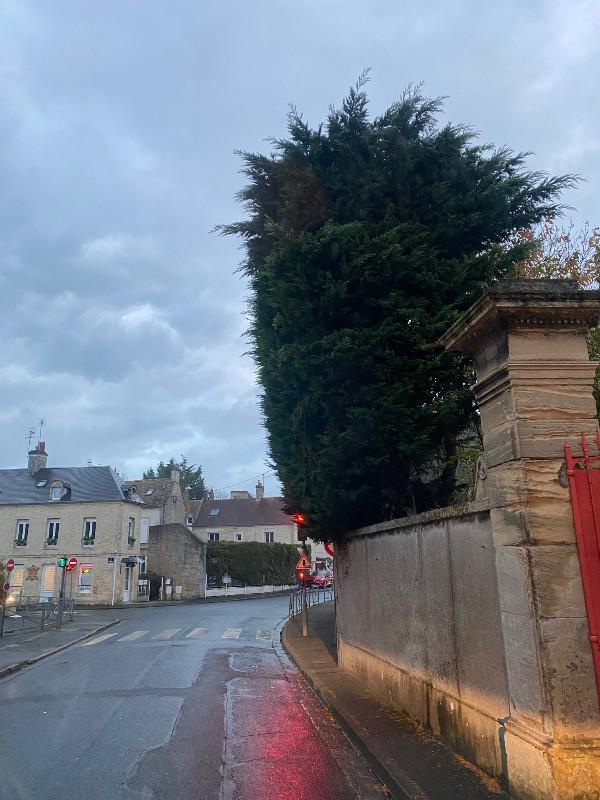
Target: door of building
(127,584)
(48,581)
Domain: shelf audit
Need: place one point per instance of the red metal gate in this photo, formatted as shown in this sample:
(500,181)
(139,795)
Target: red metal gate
(584,484)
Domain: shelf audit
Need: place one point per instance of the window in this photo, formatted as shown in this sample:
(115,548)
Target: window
(149,492)
(56,493)
(89,530)
(213,537)
(40,484)
(174,498)
(131,528)
(145,522)
(238,537)
(52,531)
(16,580)
(269,536)
(213,512)
(22,532)
(190,520)
(85,579)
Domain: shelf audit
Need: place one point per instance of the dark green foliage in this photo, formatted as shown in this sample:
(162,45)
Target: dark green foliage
(253,563)
(191,479)
(155,581)
(364,241)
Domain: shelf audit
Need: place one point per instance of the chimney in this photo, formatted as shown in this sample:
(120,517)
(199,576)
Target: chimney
(37,458)
(175,474)
(260,491)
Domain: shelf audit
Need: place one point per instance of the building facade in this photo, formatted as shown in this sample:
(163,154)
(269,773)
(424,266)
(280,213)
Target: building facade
(163,504)
(81,512)
(243,518)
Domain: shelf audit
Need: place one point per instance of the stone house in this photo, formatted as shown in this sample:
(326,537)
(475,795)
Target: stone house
(244,518)
(164,503)
(82,512)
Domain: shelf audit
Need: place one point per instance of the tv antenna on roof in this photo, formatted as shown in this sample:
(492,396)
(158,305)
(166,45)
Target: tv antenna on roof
(29,437)
(41,428)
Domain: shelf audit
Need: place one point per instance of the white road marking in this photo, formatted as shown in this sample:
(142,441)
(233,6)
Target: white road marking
(263,634)
(167,633)
(231,633)
(98,639)
(196,633)
(132,636)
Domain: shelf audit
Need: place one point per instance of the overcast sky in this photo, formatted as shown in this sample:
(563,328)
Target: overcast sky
(121,316)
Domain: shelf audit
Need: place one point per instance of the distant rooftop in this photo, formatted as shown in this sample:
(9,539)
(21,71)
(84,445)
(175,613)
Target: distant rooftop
(240,512)
(86,484)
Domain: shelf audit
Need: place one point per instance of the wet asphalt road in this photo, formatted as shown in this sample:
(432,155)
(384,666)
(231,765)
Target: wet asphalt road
(190,702)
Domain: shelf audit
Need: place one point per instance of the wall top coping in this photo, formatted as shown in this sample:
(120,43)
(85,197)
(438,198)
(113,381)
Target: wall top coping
(427,517)
(524,304)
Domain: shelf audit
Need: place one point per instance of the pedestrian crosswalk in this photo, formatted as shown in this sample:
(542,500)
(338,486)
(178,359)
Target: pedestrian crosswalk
(173,634)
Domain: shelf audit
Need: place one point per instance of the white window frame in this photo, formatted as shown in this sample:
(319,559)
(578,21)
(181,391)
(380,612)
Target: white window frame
(189,519)
(269,537)
(85,588)
(131,528)
(52,532)
(22,532)
(144,530)
(53,490)
(213,536)
(89,525)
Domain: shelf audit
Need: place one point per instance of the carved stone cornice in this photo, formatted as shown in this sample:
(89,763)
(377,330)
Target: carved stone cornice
(525,305)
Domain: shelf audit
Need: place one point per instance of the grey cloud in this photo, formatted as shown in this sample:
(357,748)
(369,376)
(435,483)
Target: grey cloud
(121,317)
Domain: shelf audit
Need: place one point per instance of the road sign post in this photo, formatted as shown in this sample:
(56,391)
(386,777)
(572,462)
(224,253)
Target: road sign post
(302,574)
(62,563)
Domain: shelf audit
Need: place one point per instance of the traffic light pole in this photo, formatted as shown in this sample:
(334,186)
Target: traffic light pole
(61,598)
(304,612)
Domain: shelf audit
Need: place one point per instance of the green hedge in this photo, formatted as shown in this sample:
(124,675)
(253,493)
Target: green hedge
(253,563)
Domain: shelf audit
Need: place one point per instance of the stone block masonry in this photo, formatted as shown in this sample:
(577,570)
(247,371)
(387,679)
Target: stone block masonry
(175,552)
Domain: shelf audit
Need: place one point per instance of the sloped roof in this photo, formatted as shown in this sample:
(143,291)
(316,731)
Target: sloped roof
(162,490)
(87,484)
(241,513)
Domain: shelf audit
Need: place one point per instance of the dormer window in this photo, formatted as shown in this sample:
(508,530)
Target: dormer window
(56,492)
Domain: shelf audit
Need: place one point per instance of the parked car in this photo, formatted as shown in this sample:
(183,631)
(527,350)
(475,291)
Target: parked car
(321,578)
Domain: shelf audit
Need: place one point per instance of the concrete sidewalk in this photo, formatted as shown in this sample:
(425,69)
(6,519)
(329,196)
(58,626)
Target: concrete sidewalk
(408,760)
(20,649)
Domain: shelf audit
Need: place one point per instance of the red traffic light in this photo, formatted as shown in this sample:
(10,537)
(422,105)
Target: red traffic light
(298,519)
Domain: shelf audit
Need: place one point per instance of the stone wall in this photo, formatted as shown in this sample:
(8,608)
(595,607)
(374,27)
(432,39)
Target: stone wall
(418,621)
(177,553)
(475,623)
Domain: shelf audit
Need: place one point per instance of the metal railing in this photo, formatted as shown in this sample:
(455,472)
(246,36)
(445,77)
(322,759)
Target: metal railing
(314,596)
(31,613)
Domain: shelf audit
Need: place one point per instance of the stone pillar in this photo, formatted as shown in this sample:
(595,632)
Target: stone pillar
(534,389)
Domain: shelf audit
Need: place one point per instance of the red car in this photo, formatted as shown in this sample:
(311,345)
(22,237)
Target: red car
(321,578)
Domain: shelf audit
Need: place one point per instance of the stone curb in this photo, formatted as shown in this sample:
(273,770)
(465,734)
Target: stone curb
(161,603)
(12,668)
(400,785)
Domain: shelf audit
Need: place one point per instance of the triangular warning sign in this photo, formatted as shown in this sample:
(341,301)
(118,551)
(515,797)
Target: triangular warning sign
(304,562)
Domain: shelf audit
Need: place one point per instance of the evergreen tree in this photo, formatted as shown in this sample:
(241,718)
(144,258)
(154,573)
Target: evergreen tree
(191,478)
(365,239)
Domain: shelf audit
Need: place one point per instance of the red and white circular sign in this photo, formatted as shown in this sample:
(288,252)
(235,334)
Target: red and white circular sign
(72,563)
(10,565)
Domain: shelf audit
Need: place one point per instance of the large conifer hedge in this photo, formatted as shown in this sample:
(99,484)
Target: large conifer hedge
(364,240)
